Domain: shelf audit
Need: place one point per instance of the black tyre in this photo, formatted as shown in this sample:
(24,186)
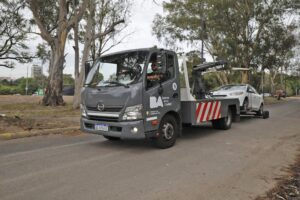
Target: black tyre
(260,111)
(168,132)
(223,123)
(266,115)
(111,138)
(245,105)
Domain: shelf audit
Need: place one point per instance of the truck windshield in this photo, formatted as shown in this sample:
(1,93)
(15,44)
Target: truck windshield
(118,69)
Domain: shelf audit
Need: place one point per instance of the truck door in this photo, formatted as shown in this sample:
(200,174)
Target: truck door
(162,91)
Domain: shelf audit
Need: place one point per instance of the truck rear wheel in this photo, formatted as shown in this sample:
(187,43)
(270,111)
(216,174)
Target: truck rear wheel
(223,123)
(168,132)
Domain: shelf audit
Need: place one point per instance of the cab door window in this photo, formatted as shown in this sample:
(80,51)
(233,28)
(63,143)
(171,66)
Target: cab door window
(170,67)
(153,73)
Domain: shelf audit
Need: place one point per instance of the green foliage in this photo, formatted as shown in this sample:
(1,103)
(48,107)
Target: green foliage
(68,80)
(248,33)
(13,27)
(18,86)
(43,53)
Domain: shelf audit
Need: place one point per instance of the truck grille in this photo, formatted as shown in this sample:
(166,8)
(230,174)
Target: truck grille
(106,119)
(106,109)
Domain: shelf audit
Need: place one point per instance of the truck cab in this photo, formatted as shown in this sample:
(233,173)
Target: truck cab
(137,94)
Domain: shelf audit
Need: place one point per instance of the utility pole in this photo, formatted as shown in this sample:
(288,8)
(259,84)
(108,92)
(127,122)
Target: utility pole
(202,31)
(263,81)
(26,88)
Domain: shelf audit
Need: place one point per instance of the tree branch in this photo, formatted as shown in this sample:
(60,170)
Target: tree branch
(44,33)
(7,66)
(109,30)
(78,15)
(18,58)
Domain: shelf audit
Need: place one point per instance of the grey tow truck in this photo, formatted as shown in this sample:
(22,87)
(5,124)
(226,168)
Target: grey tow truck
(146,93)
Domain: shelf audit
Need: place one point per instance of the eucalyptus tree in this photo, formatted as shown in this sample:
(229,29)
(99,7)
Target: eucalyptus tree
(104,20)
(55,19)
(232,30)
(13,29)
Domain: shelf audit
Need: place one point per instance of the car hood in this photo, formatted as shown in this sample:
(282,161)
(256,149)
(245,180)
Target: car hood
(225,93)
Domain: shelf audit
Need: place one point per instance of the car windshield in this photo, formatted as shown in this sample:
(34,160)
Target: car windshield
(118,69)
(231,88)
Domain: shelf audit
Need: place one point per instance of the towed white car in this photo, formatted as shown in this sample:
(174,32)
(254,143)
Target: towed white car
(250,100)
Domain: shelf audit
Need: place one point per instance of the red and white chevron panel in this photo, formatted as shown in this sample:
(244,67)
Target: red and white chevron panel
(206,111)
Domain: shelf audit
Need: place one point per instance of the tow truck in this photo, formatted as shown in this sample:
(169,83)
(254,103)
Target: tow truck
(147,93)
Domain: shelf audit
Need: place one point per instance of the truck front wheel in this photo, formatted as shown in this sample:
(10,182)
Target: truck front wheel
(223,123)
(168,132)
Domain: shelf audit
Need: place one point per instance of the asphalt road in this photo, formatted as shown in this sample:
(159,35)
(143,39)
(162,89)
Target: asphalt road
(240,163)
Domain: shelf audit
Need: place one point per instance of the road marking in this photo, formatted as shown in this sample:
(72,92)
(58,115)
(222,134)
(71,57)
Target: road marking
(47,148)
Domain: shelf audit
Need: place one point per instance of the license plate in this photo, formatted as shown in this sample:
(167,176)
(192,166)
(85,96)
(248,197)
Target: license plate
(101,127)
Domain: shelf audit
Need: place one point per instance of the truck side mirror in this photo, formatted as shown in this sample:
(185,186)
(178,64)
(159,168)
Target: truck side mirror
(87,68)
(160,61)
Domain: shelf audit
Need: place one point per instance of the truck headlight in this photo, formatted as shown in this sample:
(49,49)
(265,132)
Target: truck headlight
(133,112)
(83,111)
(236,93)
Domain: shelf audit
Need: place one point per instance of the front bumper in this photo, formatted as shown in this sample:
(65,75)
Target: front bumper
(122,130)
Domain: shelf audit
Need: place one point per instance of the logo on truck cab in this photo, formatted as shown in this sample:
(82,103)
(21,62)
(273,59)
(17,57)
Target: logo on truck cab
(100,106)
(156,102)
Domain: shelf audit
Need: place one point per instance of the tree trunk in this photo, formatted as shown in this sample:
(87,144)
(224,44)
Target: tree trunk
(76,50)
(273,75)
(53,94)
(87,45)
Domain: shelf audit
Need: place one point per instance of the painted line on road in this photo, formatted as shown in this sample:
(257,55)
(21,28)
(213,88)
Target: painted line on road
(48,148)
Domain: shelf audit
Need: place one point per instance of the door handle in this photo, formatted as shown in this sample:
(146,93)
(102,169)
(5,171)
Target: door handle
(175,95)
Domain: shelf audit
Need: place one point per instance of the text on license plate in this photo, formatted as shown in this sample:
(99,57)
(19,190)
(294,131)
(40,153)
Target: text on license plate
(101,127)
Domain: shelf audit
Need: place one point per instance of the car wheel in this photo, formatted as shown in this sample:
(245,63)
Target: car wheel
(266,115)
(168,132)
(260,111)
(245,105)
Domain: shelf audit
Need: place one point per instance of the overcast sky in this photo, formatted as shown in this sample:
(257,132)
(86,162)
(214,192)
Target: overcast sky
(142,14)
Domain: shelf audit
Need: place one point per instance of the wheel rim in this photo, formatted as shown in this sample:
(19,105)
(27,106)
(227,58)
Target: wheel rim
(168,131)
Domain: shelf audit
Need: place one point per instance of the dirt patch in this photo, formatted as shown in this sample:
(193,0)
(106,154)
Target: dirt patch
(13,124)
(25,113)
(287,188)
(72,133)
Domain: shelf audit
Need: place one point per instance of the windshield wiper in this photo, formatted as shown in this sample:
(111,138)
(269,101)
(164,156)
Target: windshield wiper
(117,83)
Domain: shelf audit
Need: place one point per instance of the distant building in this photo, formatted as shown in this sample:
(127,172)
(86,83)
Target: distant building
(36,71)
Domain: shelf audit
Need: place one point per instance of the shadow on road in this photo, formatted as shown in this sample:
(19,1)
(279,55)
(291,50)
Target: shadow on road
(124,144)
(188,133)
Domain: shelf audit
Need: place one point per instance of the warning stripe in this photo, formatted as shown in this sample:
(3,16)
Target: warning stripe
(203,112)
(217,111)
(212,111)
(198,110)
(209,111)
(206,111)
